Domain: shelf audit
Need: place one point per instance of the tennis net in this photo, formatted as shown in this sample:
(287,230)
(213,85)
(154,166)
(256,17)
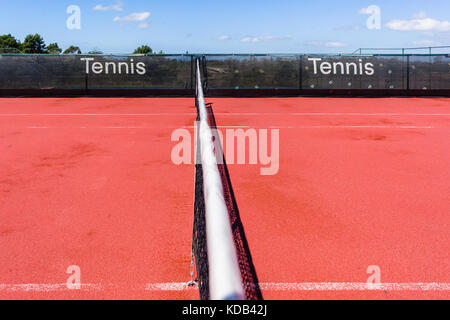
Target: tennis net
(222,257)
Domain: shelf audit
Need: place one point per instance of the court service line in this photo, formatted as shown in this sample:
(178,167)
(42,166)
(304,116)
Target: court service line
(321,114)
(32,287)
(323,286)
(181,286)
(249,127)
(339,114)
(325,127)
(354,127)
(221,114)
(95,114)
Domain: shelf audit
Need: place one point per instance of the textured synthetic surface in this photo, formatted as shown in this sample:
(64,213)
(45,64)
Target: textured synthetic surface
(362,182)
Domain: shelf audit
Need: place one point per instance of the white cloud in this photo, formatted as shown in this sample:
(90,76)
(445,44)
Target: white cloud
(329,44)
(134,17)
(249,39)
(115,7)
(420,22)
(264,39)
(223,38)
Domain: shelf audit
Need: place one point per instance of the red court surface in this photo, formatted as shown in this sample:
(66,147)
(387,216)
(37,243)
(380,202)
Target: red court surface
(82,186)
(90,182)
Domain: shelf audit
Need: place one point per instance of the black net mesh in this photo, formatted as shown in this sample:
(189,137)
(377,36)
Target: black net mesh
(41,72)
(226,72)
(420,72)
(162,72)
(429,72)
(440,72)
(253,71)
(199,243)
(328,72)
(96,72)
(248,272)
(350,72)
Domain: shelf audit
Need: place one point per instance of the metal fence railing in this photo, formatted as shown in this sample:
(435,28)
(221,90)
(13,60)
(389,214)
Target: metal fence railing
(411,50)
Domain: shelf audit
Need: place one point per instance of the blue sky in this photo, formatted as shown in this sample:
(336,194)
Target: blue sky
(230,26)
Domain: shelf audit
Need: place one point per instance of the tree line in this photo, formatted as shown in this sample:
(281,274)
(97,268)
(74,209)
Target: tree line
(35,44)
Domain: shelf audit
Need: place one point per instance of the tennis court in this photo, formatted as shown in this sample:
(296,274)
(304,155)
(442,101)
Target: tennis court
(90,182)
(226,198)
(84,184)
(361,182)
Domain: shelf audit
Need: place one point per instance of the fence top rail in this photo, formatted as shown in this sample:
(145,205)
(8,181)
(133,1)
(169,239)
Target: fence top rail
(99,55)
(429,48)
(238,55)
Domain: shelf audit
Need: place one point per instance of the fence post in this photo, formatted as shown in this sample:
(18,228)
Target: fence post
(300,80)
(407,73)
(205,74)
(192,72)
(431,69)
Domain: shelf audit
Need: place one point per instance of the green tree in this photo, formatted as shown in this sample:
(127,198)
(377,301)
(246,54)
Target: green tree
(33,43)
(143,50)
(95,51)
(9,44)
(72,50)
(53,48)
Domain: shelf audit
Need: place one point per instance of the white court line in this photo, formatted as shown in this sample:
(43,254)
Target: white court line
(340,114)
(325,127)
(218,127)
(354,127)
(221,114)
(126,127)
(323,286)
(94,114)
(181,286)
(376,114)
(355,286)
(84,127)
(32,287)
(249,127)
